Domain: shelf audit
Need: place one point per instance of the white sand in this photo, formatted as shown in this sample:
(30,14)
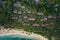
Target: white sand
(22,32)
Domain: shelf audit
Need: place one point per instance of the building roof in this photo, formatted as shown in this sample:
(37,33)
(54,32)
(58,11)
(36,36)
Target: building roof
(26,24)
(19,12)
(50,16)
(42,19)
(14,17)
(19,16)
(45,19)
(46,24)
(43,25)
(35,24)
(33,12)
(36,1)
(58,16)
(29,11)
(23,7)
(4,2)
(17,4)
(56,5)
(31,19)
(25,17)
(39,13)
(14,11)
(54,17)
(51,23)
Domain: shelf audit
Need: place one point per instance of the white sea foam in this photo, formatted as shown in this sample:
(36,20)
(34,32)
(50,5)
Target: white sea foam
(7,34)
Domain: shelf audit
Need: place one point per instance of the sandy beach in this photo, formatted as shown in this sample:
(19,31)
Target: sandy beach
(22,32)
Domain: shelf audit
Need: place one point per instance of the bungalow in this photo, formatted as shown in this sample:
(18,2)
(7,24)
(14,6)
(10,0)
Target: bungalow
(26,24)
(35,24)
(26,21)
(19,12)
(4,2)
(36,1)
(56,9)
(32,19)
(20,20)
(49,1)
(54,17)
(33,12)
(46,24)
(51,23)
(42,19)
(23,7)
(19,17)
(25,17)
(43,25)
(1,28)
(45,19)
(56,5)
(50,16)
(29,11)
(17,4)
(14,11)
(58,16)
(14,17)
(39,13)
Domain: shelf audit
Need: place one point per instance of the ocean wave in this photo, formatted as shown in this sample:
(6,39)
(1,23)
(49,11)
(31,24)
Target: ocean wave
(6,34)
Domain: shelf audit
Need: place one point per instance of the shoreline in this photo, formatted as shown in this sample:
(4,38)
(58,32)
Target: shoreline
(21,32)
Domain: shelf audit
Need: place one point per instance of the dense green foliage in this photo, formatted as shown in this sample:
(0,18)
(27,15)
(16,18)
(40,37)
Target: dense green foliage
(47,7)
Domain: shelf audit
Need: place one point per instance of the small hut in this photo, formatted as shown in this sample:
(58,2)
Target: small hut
(35,24)
(40,13)
(14,17)
(32,19)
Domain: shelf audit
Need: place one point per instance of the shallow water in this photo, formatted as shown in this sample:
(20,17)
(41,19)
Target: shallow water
(16,37)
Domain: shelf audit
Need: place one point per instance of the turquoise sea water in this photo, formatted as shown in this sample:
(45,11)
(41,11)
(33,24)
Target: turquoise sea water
(16,37)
